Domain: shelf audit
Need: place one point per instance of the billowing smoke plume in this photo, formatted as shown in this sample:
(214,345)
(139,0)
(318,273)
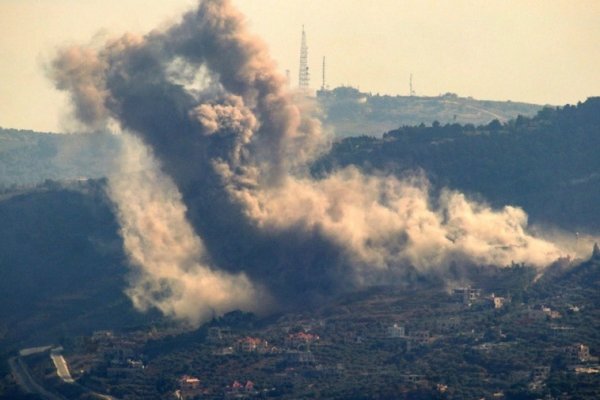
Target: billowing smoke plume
(383,222)
(234,147)
(173,272)
(81,72)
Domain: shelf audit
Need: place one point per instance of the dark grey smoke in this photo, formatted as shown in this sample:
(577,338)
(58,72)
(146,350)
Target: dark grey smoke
(208,100)
(132,80)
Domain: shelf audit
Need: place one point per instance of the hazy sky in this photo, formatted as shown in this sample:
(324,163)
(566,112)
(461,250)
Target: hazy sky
(535,51)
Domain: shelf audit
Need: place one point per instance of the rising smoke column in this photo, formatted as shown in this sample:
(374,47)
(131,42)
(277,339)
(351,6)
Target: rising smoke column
(230,182)
(173,272)
(238,127)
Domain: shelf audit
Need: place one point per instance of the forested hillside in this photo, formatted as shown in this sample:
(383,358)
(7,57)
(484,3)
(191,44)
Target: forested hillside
(62,267)
(28,158)
(548,164)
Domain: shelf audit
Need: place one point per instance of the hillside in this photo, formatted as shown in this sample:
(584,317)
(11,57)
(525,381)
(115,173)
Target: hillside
(353,113)
(61,235)
(547,164)
(64,272)
(62,267)
(510,338)
(28,157)
(64,279)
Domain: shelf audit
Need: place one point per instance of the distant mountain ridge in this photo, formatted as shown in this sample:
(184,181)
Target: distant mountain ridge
(353,113)
(28,157)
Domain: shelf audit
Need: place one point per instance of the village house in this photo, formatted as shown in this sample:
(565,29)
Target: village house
(120,368)
(577,354)
(467,295)
(294,358)
(251,345)
(301,340)
(550,313)
(559,331)
(189,387)
(497,301)
(396,331)
(117,350)
(240,390)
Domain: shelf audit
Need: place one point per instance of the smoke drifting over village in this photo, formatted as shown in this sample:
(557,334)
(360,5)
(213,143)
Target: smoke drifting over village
(216,205)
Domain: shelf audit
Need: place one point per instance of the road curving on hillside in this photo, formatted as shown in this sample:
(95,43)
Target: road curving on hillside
(26,382)
(62,369)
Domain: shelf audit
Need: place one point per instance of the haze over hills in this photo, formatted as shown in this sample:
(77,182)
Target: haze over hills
(28,157)
(353,113)
(546,164)
(76,236)
(442,151)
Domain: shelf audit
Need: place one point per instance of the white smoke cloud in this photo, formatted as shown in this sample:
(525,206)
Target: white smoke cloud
(173,273)
(385,223)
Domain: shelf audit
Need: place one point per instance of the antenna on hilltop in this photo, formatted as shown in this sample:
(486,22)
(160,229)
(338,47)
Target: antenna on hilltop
(304,77)
(412,92)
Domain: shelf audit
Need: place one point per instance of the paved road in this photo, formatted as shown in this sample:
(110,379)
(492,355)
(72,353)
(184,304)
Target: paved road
(33,350)
(20,371)
(26,382)
(62,370)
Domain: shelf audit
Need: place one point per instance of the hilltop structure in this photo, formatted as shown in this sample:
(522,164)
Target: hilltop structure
(304,76)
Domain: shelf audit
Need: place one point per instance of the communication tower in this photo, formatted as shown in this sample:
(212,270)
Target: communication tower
(304,76)
(412,92)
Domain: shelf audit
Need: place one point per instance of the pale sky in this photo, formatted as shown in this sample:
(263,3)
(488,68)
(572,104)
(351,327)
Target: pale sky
(545,52)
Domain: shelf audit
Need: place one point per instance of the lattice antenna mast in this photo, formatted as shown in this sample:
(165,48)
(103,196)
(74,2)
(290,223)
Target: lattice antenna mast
(304,76)
(412,91)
